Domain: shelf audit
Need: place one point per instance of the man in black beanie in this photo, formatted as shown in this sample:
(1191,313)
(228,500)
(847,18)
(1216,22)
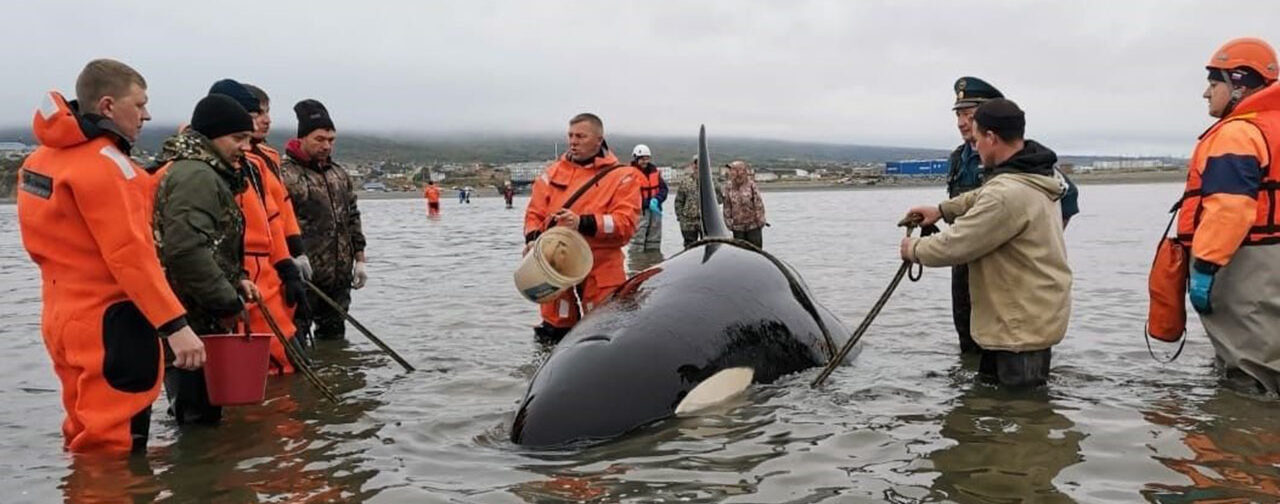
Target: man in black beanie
(267,260)
(324,200)
(1009,232)
(199,231)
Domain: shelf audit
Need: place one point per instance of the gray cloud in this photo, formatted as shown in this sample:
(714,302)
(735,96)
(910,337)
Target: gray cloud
(1096,77)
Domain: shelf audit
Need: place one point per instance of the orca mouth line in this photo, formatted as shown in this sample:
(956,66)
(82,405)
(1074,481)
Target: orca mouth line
(797,290)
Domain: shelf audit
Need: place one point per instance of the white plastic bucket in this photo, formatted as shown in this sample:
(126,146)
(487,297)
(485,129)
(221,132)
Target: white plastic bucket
(559,259)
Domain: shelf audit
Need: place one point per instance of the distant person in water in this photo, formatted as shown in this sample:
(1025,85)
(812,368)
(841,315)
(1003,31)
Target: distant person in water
(462,195)
(508,194)
(743,206)
(689,206)
(653,193)
(432,194)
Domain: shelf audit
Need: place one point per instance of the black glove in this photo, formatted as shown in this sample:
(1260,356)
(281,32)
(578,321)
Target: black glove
(294,290)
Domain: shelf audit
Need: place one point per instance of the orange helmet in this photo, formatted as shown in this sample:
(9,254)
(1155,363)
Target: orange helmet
(1249,52)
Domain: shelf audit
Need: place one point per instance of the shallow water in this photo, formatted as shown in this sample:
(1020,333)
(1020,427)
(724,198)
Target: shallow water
(904,423)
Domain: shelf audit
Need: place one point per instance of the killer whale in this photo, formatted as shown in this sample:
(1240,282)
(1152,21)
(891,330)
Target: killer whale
(721,314)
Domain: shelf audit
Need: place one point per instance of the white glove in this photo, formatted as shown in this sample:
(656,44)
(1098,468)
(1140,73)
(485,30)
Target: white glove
(304,265)
(359,277)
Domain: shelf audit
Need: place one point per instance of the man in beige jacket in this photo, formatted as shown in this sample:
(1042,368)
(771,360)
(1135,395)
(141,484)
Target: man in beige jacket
(1009,232)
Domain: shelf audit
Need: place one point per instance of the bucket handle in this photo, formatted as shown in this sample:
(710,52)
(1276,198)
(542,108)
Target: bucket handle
(244,319)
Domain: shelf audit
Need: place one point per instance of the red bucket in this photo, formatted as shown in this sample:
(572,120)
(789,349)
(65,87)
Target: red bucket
(235,368)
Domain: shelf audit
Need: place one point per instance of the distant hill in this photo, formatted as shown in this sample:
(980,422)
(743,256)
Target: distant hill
(358,147)
(361,147)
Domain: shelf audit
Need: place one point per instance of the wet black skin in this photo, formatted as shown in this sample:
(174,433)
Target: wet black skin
(632,360)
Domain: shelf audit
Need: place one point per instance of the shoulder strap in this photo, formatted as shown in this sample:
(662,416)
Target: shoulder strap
(573,198)
(1173,215)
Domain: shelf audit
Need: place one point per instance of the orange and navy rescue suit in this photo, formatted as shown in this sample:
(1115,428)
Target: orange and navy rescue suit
(84,216)
(1233,184)
(608,212)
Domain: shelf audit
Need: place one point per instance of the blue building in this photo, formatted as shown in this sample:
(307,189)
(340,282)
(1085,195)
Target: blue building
(917,168)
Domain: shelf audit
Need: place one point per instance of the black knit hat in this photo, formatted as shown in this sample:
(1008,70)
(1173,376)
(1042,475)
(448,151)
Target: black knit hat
(311,116)
(1003,117)
(237,92)
(218,115)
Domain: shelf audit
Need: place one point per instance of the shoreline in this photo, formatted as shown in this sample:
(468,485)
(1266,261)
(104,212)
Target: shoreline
(1122,178)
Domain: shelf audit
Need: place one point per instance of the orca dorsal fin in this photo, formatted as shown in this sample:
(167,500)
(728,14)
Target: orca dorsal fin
(712,219)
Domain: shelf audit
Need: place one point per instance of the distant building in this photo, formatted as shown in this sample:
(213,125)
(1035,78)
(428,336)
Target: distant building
(14,150)
(1127,164)
(917,168)
(524,173)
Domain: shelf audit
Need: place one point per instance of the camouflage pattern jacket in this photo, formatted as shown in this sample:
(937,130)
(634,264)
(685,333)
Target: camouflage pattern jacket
(199,230)
(688,207)
(324,200)
(743,207)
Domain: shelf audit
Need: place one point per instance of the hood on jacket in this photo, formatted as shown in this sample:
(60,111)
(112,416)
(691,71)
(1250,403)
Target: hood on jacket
(1033,166)
(1053,186)
(191,145)
(602,159)
(59,124)
(1034,159)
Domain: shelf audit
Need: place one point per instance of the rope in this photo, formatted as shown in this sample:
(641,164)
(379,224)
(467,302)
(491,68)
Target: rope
(903,270)
(298,360)
(356,323)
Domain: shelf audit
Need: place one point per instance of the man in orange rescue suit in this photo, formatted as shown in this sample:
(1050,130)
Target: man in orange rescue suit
(653,193)
(266,156)
(605,214)
(432,194)
(83,218)
(1228,212)
(266,255)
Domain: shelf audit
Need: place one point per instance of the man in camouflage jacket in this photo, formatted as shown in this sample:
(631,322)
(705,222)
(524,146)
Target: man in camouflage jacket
(324,200)
(689,204)
(199,234)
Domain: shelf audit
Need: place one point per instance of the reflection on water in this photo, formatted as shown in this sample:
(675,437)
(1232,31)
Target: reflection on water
(1009,446)
(1228,460)
(290,445)
(904,423)
(638,258)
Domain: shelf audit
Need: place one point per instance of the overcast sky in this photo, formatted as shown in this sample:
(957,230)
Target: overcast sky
(1095,77)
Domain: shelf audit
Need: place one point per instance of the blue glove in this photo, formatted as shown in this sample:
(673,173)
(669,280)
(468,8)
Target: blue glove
(653,206)
(1201,285)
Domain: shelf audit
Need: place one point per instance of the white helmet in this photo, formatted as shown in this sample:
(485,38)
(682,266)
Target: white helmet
(641,150)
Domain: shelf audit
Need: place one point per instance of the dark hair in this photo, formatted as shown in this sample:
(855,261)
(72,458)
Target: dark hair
(1003,117)
(258,93)
(588,118)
